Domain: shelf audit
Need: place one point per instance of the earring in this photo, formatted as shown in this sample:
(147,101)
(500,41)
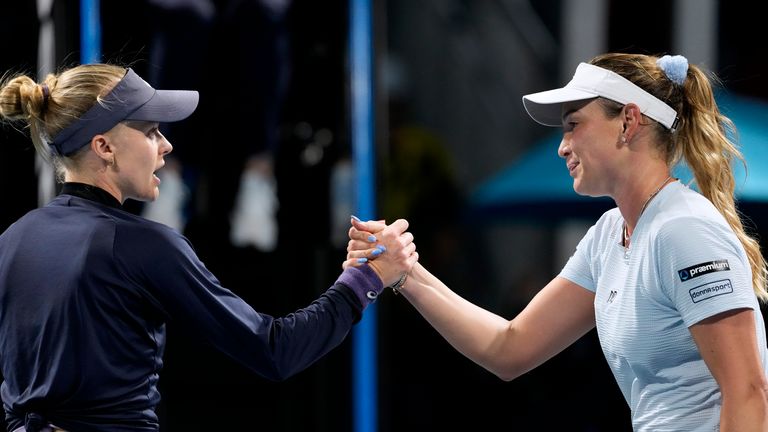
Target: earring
(623,139)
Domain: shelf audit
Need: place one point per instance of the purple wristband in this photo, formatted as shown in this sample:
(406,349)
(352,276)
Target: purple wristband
(364,282)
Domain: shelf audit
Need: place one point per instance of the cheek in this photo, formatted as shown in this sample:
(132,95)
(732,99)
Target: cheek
(149,157)
(140,165)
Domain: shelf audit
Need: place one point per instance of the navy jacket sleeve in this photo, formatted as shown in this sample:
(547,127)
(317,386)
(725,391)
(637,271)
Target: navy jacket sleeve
(166,267)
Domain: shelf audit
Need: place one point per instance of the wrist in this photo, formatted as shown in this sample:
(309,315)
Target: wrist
(364,282)
(374,266)
(397,286)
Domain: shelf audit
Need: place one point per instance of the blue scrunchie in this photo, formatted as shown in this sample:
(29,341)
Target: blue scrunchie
(674,67)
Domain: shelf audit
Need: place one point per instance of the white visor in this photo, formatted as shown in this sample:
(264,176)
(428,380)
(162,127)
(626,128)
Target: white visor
(589,82)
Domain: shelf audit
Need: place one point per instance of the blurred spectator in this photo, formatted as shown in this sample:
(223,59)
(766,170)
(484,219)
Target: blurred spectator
(192,42)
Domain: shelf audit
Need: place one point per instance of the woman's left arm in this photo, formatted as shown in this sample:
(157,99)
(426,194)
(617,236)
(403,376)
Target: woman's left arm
(729,348)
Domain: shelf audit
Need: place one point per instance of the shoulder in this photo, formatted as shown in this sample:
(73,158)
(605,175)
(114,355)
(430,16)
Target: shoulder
(149,251)
(678,199)
(685,214)
(607,226)
(150,236)
(688,223)
(133,237)
(609,218)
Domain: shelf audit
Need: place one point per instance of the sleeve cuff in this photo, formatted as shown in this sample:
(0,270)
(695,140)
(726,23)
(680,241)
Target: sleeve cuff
(364,282)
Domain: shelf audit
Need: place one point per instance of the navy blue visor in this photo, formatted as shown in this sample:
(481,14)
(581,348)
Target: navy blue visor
(131,99)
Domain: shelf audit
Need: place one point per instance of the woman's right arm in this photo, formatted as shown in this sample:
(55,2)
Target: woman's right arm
(173,279)
(558,315)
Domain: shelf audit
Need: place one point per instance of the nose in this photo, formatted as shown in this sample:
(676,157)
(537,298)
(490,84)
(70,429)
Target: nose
(565,148)
(165,146)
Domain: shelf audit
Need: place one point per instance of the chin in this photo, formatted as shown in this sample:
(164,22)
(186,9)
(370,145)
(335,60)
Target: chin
(148,197)
(583,191)
(591,194)
(577,187)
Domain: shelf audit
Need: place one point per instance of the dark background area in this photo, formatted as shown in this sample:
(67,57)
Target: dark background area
(423,383)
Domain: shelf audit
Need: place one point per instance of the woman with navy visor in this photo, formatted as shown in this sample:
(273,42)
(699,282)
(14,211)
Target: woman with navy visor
(85,287)
(669,277)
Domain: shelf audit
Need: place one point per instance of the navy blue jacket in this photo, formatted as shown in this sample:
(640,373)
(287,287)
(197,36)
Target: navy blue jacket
(85,291)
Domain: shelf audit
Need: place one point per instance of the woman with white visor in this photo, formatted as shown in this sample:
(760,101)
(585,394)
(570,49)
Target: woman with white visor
(669,277)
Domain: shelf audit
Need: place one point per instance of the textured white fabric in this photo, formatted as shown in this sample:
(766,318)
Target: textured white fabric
(684,265)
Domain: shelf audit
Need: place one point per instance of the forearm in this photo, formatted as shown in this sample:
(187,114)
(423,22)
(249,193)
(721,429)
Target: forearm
(557,316)
(473,331)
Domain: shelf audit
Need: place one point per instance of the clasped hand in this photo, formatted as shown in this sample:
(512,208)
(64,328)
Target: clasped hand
(388,249)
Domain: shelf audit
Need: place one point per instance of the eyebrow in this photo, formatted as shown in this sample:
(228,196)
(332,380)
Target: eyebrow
(567,114)
(141,125)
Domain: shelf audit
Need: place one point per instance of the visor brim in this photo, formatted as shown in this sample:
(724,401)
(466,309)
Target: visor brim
(546,107)
(167,106)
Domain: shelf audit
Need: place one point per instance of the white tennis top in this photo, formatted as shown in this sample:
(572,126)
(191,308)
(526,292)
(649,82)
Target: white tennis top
(684,264)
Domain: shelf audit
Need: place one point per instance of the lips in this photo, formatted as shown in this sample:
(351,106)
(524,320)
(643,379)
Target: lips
(572,166)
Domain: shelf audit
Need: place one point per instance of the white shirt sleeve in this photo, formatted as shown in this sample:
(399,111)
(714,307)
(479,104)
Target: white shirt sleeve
(578,269)
(702,268)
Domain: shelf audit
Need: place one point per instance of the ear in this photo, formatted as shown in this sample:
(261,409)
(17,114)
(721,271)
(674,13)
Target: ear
(102,145)
(631,118)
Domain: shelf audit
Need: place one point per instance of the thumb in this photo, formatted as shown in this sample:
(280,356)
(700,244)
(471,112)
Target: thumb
(369,226)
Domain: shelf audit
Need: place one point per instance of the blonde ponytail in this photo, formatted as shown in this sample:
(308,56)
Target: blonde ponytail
(704,145)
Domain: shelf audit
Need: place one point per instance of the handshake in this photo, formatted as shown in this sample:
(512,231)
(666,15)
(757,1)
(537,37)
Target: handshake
(388,249)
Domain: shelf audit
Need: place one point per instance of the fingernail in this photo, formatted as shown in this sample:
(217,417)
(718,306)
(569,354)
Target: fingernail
(381,247)
(362,260)
(376,252)
(356,218)
(371,238)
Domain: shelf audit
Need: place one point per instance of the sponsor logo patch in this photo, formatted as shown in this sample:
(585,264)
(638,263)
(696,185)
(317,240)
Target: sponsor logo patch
(709,290)
(697,270)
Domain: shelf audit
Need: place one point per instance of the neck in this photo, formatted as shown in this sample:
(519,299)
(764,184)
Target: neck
(633,205)
(97,181)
